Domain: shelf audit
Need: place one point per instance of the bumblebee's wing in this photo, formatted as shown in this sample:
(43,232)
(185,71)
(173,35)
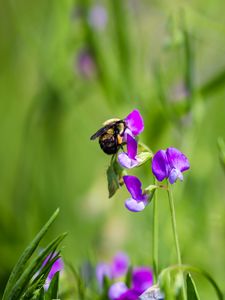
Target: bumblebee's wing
(100,131)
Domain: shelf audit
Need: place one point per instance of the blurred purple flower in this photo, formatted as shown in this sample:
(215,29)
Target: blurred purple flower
(98,17)
(57,266)
(119,265)
(129,160)
(117,268)
(142,279)
(134,122)
(138,200)
(117,290)
(86,64)
(169,163)
(103,270)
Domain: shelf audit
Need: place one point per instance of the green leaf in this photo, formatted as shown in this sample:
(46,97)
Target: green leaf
(114,176)
(190,269)
(52,292)
(19,267)
(41,294)
(24,280)
(166,287)
(33,291)
(113,184)
(81,288)
(192,293)
(128,278)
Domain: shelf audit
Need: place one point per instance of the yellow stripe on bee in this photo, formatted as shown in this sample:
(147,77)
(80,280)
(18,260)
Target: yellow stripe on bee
(119,139)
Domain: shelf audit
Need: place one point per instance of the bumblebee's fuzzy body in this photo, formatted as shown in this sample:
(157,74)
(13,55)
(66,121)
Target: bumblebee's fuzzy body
(111,135)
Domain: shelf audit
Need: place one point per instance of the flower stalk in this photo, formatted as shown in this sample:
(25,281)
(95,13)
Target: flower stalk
(155,237)
(175,234)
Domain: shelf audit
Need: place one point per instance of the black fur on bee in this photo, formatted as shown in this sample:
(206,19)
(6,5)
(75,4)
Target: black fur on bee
(111,135)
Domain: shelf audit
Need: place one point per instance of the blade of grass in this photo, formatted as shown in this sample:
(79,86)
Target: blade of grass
(19,267)
(23,281)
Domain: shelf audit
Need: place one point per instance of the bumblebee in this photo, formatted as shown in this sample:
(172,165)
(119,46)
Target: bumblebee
(111,135)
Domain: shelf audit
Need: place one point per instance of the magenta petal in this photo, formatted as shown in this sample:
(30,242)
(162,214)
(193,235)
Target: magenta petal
(142,279)
(120,264)
(116,290)
(126,162)
(56,267)
(134,205)
(131,147)
(177,159)
(160,166)
(129,295)
(135,122)
(133,185)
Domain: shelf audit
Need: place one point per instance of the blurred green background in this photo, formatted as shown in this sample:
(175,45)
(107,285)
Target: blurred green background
(67,66)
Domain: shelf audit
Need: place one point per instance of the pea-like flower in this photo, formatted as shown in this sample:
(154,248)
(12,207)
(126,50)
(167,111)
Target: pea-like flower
(138,199)
(134,123)
(169,163)
(129,159)
(141,279)
(117,268)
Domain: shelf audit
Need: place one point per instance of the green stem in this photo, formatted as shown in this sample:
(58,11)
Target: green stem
(155,237)
(175,234)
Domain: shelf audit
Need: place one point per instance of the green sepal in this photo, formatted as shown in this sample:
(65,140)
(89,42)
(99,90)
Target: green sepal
(192,293)
(150,191)
(144,148)
(143,157)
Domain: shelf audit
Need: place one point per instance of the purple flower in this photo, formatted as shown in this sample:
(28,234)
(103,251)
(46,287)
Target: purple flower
(169,163)
(117,268)
(56,267)
(86,64)
(98,17)
(103,270)
(119,265)
(129,295)
(117,290)
(141,280)
(129,160)
(134,122)
(138,199)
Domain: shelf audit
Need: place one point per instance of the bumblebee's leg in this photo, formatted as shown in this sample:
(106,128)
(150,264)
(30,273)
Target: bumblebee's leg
(121,146)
